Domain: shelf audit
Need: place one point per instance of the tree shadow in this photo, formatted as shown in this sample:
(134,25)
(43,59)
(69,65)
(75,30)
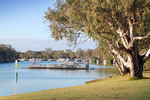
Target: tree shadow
(146,71)
(146,77)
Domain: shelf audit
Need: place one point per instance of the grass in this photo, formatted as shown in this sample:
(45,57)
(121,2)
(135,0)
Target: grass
(115,88)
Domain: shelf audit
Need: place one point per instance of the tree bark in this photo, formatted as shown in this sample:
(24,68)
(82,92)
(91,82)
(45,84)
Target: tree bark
(136,69)
(133,65)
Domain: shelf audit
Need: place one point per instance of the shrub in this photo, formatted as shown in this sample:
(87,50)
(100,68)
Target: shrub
(133,78)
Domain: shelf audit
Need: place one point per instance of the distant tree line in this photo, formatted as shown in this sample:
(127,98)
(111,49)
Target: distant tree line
(8,54)
(95,54)
(48,53)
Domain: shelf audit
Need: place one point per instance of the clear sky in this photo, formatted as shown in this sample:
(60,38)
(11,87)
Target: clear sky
(22,26)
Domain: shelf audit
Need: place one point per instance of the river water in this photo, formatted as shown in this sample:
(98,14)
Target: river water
(30,80)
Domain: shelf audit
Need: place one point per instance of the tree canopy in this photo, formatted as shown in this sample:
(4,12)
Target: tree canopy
(7,53)
(121,26)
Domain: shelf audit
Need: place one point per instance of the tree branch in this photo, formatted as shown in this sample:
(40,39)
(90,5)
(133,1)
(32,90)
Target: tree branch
(146,56)
(113,50)
(144,37)
(115,60)
(104,32)
(147,2)
(137,38)
(105,38)
(124,38)
(117,42)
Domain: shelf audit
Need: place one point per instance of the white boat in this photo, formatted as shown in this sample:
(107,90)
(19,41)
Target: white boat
(65,65)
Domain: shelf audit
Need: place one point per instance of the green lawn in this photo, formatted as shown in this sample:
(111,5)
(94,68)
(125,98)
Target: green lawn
(116,88)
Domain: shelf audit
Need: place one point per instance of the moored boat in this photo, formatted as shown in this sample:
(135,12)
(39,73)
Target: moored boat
(65,65)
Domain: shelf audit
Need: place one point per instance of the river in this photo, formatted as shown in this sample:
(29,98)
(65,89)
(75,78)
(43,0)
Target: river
(30,80)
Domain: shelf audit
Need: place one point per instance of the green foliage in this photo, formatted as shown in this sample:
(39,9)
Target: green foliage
(88,53)
(133,78)
(52,54)
(116,71)
(97,53)
(59,54)
(71,55)
(95,60)
(71,17)
(109,62)
(98,19)
(80,53)
(7,53)
(114,24)
(147,65)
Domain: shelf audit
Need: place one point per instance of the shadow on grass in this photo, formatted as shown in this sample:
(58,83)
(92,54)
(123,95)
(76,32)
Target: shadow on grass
(96,80)
(146,78)
(147,71)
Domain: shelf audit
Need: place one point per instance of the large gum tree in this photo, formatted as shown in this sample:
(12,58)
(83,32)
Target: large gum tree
(120,26)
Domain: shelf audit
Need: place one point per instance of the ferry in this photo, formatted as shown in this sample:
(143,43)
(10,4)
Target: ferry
(68,64)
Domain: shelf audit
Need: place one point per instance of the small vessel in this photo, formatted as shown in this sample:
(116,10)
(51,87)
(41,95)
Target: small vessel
(69,64)
(22,60)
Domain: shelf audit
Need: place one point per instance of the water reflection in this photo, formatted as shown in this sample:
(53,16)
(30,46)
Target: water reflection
(16,89)
(16,77)
(16,83)
(28,80)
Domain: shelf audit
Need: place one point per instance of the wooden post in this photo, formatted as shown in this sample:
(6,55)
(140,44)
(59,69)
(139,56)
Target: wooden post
(16,63)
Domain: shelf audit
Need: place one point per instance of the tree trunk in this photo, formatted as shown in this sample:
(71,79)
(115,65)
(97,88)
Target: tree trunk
(136,62)
(136,69)
(131,64)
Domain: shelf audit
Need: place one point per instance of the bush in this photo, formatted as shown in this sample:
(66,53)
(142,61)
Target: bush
(147,65)
(94,60)
(109,62)
(133,78)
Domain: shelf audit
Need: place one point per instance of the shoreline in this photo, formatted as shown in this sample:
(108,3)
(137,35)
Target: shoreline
(87,82)
(50,79)
(110,88)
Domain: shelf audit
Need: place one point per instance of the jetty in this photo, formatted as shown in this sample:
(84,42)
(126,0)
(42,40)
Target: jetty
(65,65)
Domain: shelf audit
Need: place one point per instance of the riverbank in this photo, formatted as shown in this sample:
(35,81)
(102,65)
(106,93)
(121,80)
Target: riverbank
(116,88)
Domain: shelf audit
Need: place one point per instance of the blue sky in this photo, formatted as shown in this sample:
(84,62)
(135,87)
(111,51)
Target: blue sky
(22,25)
